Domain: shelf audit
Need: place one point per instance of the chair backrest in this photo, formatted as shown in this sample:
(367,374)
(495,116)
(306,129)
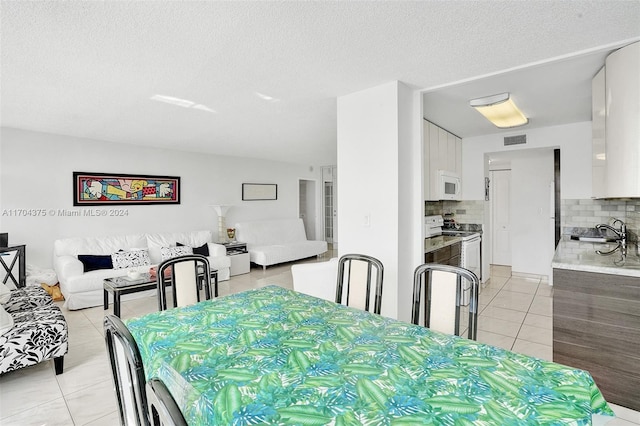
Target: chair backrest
(186,275)
(128,372)
(356,274)
(163,410)
(316,279)
(444,297)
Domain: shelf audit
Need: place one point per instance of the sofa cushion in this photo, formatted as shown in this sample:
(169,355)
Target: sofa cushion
(130,259)
(98,245)
(92,262)
(37,335)
(26,298)
(155,242)
(202,250)
(171,252)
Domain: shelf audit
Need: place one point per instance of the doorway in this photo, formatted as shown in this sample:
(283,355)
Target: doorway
(307,206)
(524,189)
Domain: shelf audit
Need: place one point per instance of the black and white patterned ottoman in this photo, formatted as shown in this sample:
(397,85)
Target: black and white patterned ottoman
(39,332)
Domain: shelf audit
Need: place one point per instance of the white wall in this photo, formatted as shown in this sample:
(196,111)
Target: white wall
(36,173)
(574,141)
(379,174)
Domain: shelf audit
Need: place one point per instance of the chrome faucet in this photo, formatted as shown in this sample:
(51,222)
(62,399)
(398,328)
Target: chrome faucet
(621,235)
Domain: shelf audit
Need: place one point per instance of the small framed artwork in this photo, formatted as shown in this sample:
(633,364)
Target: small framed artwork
(102,189)
(259,191)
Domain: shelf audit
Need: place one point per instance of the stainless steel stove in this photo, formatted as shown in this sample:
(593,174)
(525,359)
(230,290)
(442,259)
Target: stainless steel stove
(471,255)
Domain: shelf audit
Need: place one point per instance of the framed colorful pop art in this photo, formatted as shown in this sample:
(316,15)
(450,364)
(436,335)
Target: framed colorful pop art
(101,189)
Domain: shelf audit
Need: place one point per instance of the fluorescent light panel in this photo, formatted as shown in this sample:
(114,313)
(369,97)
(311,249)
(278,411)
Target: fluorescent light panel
(500,110)
(184,103)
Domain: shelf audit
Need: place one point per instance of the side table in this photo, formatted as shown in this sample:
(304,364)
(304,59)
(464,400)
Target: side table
(20,258)
(239,257)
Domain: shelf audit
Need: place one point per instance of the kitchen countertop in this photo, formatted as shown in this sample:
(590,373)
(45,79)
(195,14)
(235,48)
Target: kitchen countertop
(435,243)
(582,256)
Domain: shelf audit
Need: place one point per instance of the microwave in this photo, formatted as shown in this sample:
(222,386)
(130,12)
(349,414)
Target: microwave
(448,185)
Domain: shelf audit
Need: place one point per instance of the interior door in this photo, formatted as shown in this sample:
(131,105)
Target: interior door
(500,213)
(330,204)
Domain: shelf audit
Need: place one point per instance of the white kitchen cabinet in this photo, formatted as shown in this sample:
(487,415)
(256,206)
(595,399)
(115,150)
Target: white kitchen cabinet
(622,127)
(451,153)
(442,151)
(598,135)
(458,155)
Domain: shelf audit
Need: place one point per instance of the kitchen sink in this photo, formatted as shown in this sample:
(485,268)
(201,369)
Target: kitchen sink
(594,239)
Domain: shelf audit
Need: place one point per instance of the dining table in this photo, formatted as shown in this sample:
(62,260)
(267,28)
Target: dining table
(275,356)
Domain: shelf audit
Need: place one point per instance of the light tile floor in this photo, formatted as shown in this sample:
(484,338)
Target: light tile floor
(515,314)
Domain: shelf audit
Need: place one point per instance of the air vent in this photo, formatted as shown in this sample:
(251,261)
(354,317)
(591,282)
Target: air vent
(515,140)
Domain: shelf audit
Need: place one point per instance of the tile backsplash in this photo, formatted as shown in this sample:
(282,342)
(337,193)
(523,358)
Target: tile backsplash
(581,213)
(471,211)
(589,213)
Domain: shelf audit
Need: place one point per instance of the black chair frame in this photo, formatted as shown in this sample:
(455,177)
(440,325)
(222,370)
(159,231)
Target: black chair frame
(345,263)
(114,328)
(202,274)
(163,410)
(423,274)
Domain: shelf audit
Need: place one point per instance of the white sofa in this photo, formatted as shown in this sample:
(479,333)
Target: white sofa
(85,289)
(276,241)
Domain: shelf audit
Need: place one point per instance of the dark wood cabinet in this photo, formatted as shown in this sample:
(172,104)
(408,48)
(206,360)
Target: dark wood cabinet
(448,255)
(596,327)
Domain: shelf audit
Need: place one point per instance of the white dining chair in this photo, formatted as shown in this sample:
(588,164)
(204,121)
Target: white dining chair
(127,372)
(438,295)
(359,282)
(163,410)
(316,279)
(187,276)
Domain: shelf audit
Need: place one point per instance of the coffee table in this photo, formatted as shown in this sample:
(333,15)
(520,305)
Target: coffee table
(124,285)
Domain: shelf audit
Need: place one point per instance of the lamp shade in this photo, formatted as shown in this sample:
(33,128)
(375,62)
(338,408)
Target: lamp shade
(500,110)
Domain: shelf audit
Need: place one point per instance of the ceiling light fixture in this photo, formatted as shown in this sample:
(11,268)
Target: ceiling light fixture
(184,103)
(500,110)
(266,97)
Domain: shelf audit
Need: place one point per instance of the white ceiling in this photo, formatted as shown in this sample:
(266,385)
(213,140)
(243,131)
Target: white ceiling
(89,69)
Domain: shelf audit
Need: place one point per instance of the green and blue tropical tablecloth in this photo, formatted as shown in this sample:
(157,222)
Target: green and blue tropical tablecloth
(274,356)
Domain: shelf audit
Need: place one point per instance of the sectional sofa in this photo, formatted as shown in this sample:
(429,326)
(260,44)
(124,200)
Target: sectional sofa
(82,264)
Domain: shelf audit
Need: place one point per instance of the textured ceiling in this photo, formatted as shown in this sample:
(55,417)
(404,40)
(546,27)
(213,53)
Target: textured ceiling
(263,77)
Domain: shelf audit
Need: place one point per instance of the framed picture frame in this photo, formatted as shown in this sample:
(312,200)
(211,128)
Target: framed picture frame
(259,191)
(104,189)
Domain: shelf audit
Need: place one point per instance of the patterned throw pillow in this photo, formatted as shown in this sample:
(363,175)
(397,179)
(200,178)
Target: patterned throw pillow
(130,259)
(171,252)
(203,249)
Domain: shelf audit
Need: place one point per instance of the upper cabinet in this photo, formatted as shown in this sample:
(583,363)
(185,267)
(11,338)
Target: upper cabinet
(597,133)
(442,151)
(621,124)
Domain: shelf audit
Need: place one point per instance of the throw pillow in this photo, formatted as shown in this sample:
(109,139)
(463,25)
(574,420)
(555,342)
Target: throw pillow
(130,259)
(5,293)
(202,250)
(171,252)
(6,321)
(92,262)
